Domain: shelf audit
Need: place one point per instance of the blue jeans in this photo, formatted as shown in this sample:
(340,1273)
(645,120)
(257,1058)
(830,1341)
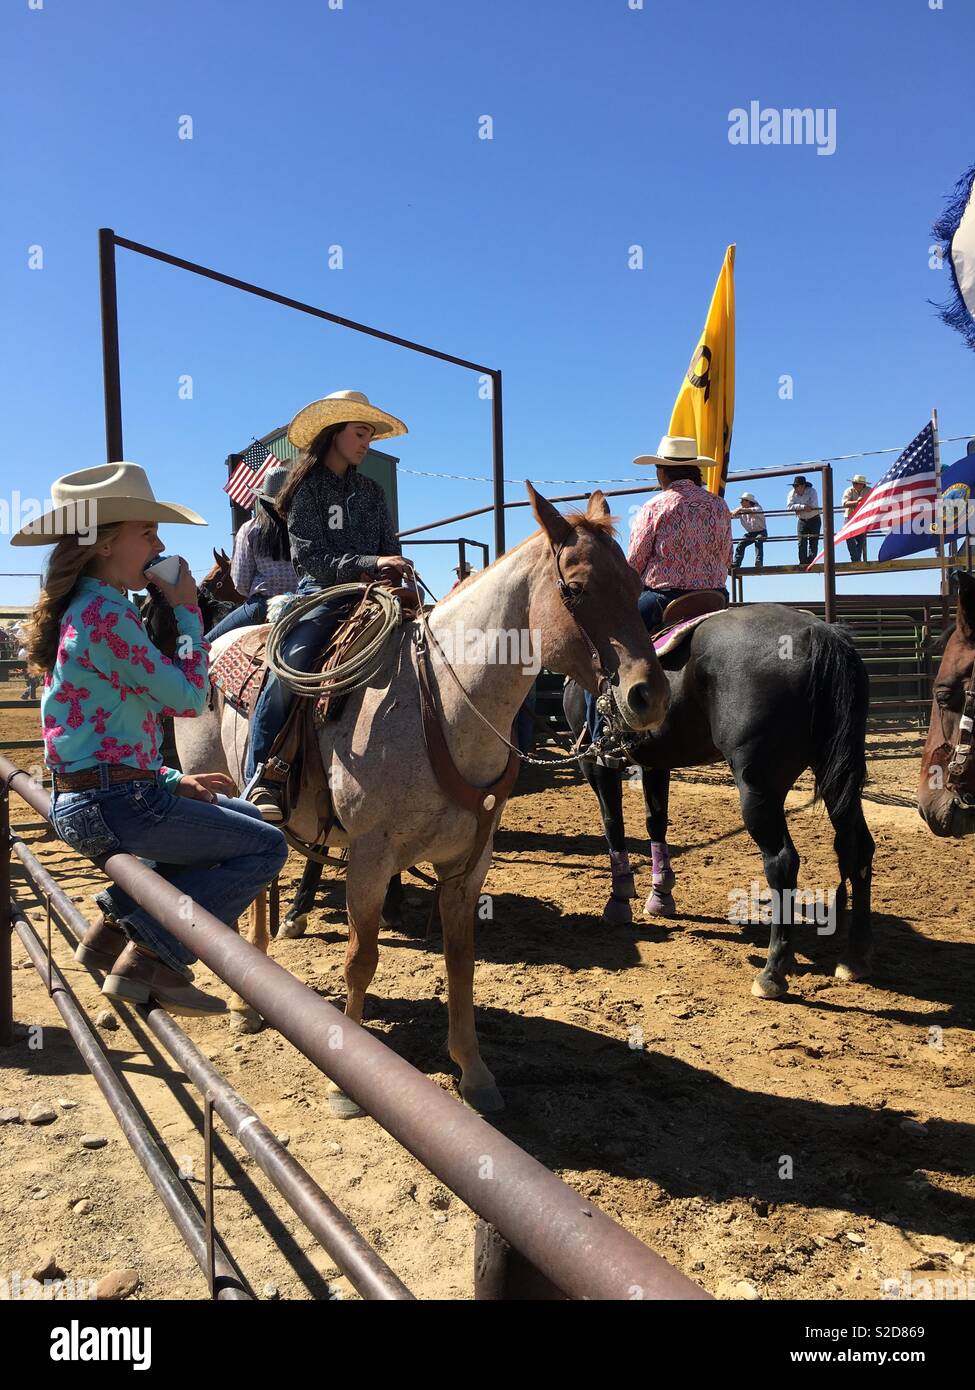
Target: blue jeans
(254,610)
(857,546)
(301,649)
(220,854)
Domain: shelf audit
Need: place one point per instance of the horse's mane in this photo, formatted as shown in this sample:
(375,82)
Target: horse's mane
(604,525)
(595,526)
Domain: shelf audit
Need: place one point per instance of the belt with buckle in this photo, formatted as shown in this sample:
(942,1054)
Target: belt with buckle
(92,777)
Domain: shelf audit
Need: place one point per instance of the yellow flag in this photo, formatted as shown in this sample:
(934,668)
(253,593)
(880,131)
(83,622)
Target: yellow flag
(705,405)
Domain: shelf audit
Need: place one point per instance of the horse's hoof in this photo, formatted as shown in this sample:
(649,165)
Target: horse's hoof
(852,970)
(660,904)
(246,1020)
(486,1100)
(617,912)
(293,927)
(764,988)
(666,882)
(343,1107)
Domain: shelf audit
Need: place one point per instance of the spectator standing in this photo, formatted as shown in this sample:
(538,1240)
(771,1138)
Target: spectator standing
(30,680)
(752,518)
(803,501)
(852,497)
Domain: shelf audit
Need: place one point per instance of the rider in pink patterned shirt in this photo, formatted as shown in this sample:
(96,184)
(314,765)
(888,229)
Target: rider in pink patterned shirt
(681,539)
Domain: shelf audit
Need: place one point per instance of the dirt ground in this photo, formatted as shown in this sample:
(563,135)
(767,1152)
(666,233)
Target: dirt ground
(759,1146)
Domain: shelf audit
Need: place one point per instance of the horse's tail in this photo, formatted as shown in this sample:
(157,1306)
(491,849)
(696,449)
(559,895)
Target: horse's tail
(839,691)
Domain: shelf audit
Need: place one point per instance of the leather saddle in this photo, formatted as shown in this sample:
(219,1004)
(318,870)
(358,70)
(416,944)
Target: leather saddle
(682,615)
(240,672)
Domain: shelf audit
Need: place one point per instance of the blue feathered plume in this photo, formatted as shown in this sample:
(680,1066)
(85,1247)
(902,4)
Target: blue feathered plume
(956,313)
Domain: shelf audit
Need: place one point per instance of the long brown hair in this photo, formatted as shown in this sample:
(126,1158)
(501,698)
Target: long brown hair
(316,452)
(67,563)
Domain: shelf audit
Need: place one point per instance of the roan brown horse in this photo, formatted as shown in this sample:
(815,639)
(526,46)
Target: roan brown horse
(946,792)
(566,593)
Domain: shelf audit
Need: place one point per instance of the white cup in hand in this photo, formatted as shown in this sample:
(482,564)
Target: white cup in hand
(165,568)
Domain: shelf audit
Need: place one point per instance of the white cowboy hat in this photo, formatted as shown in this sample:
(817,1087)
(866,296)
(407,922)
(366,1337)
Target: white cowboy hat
(97,497)
(465,568)
(271,484)
(675,450)
(341,407)
(748,497)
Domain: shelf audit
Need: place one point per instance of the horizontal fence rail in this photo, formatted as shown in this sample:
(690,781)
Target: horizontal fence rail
(571,1244)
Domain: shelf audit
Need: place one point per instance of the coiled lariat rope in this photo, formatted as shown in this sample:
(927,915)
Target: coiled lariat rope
(357,669)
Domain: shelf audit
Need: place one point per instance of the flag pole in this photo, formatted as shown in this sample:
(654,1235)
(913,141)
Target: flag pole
(940,520)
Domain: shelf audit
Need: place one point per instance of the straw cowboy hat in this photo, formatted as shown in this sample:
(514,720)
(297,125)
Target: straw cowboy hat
(97,497)
(858,478)
(674,451)
(341,407)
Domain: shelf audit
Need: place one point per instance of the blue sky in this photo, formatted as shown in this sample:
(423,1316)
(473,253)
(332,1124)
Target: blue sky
(358,127)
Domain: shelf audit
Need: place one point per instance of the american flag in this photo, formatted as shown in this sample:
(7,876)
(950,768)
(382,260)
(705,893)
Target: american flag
(254,463)
(905,492)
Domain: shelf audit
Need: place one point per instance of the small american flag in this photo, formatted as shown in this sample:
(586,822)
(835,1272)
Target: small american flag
(905,492)
(254,463)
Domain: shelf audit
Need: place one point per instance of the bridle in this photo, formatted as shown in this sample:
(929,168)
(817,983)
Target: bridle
(962,753)
(610,740)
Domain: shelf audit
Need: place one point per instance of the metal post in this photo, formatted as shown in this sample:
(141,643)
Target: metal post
(944,587)
(274,906)
(6,926)
(829,556)
(501,1273)
(497,440)
(211,1271)
(110,358)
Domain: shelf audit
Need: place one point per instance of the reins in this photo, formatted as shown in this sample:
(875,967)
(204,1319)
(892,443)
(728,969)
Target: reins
(571,596)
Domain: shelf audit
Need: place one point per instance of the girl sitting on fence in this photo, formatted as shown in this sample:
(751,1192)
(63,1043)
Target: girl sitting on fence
(105,688)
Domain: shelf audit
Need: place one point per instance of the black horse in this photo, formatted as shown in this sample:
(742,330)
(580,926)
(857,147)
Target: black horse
(771,691)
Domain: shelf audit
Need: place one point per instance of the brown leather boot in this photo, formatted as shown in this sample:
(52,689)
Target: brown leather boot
(138,975)
(267,797)
(101,945)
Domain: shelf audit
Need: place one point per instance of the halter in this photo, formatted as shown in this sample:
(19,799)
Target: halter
(962,753)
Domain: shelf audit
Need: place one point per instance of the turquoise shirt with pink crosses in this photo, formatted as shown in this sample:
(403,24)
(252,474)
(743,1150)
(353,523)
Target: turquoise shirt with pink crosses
(110,685)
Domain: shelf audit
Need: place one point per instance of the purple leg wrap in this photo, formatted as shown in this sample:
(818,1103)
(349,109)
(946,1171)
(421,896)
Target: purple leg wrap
(659,859)
(619,862)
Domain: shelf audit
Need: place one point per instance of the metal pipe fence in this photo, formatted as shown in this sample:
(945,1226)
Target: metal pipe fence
(575,1248)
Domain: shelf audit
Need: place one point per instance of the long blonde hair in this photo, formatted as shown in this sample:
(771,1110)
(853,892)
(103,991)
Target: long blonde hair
(67,563)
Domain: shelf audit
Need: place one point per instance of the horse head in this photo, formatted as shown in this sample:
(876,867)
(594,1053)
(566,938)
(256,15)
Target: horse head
(946,790)
(588,615)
